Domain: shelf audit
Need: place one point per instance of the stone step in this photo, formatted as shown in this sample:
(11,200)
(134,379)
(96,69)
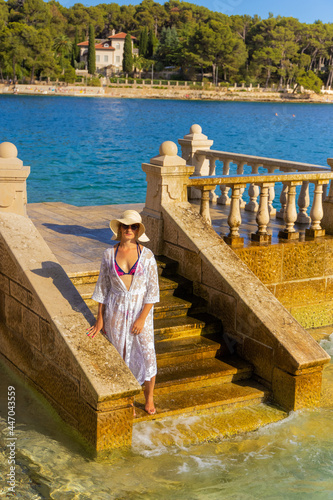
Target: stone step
(175,285)
(81,277)
(185,350)
(166,266)
(171,307)
(167,286)
(167,328)
(201,373)
(202,400)
(216,425)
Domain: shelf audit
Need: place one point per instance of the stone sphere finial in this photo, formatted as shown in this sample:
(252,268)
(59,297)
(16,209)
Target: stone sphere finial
(8,150)
(195,129)
(168,148)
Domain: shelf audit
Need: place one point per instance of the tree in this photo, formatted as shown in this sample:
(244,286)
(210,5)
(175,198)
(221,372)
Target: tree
(128,56)
(91,51)
(152,42)
(309,80)
(143,42)
(63,47)
(168,49)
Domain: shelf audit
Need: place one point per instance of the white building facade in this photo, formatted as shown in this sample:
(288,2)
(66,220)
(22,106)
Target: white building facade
(109,53)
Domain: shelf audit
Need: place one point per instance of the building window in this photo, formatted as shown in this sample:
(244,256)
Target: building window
(106,58)
(117,46)
(97,58)
(118,59)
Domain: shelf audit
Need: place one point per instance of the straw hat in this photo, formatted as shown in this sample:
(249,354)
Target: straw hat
(129,217)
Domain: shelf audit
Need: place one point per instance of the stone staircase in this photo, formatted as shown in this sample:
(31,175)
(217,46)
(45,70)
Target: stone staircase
(196,371)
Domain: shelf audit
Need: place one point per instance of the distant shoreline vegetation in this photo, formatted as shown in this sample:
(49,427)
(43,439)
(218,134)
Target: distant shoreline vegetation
(38,41)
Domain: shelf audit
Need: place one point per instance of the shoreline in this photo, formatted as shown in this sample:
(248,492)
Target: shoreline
(174,93)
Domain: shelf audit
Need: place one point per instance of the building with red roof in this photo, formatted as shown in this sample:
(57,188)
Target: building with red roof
(109,53)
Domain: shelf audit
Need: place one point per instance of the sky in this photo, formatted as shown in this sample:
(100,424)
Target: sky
(307,11)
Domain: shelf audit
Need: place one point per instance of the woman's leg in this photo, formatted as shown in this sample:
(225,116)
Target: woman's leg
(149,395)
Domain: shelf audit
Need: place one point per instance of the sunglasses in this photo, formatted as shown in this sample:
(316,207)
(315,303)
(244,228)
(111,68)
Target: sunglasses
(134,227)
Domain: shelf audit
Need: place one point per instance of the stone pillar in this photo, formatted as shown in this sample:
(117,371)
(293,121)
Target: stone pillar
(317,212)
(290,214)
(13,176)
(167,178)
(191,143)
(327,220)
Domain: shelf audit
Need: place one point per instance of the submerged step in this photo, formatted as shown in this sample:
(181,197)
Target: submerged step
(203,399)
(201,373)
(215,425)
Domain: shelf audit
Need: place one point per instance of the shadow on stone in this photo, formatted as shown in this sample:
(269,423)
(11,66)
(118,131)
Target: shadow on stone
(66,288)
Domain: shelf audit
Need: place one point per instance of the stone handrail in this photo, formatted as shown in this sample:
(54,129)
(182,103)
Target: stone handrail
(265,183)
(284,165)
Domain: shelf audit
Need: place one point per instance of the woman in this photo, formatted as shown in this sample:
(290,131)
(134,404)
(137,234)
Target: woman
(127,289)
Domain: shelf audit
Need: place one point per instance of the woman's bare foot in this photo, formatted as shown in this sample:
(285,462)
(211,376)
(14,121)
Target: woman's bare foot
(149,391)
(150,408)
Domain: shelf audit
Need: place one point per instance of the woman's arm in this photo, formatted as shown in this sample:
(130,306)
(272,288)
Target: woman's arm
(99,325)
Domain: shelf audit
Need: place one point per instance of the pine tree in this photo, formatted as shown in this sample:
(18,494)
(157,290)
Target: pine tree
(91,51)
(128,56)
(76,48)
(152,41)
(143,42)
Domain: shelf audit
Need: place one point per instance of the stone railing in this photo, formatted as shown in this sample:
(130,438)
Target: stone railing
(261,187)
(264,184)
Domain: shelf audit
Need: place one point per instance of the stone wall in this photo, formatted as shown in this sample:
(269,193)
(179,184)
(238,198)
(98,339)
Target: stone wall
(300,275)
(284,355)
(43,321)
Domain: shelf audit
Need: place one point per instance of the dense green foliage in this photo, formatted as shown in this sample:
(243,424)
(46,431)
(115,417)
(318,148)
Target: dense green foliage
(127,56)
(39,39)
(91,51)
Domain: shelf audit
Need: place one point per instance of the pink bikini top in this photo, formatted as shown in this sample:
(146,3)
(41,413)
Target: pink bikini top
(131,272)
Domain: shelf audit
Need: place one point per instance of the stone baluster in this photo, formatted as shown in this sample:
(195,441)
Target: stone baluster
(204,204)
(303,203)
(325,192)
(263,215)
(329,197)
(252,205)
(283,201)
(290,214)
(234,220)
(224,199)
(271,194)
(317,211)
(240,171)
(327,220)
(212,171)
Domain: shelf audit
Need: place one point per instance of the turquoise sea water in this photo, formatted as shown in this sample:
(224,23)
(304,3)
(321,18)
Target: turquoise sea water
(88,151)
(288,460)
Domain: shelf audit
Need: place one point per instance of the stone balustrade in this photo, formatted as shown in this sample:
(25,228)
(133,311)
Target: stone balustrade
(261,191)
(265,183)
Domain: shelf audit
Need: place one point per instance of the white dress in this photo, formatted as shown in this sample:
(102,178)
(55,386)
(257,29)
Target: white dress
(122,308)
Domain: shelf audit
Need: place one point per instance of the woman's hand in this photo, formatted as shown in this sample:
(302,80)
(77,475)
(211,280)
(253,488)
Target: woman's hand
(99,325)
(139,323)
